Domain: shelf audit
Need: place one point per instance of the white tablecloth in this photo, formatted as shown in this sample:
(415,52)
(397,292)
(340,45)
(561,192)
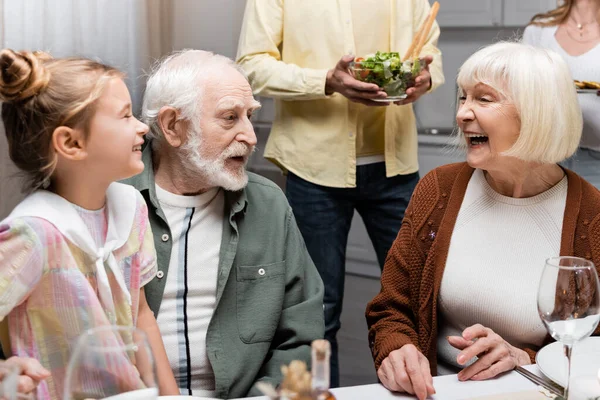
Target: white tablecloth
(447,388)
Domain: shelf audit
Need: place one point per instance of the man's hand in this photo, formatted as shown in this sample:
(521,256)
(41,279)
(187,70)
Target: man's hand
(495,355)
(32,373)
(407,370)
(341,81)
(422,84)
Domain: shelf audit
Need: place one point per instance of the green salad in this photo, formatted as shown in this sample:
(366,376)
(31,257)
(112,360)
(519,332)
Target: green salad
(386,70)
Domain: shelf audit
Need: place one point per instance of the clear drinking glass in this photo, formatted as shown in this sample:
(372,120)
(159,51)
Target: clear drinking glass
(569,302)
(111,362)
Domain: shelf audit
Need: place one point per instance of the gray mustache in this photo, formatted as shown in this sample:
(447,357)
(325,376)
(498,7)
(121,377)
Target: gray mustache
(238,149)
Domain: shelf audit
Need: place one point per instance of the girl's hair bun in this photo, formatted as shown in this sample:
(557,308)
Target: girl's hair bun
(22,75)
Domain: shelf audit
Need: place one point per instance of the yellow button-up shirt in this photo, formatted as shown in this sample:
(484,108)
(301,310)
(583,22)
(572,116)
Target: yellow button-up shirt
(286,49)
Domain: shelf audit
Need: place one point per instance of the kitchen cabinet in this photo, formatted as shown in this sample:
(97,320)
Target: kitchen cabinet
(490,13)
(519,12)
(435,151)
(470,13)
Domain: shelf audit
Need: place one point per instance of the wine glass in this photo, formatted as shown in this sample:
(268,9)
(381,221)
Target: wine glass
(9,375)
(111,362)
(569,302)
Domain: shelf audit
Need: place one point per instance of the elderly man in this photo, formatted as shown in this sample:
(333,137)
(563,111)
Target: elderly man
(236,295)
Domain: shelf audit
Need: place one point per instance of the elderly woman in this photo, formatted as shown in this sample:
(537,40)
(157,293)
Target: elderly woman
(458,290)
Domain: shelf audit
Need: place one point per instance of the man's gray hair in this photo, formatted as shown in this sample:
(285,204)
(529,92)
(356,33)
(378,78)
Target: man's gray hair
(175,81)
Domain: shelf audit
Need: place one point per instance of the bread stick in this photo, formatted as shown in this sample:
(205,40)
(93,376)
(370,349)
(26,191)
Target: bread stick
(427,28)
(415,40)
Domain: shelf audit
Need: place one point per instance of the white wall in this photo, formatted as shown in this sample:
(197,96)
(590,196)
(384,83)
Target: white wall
(208,25)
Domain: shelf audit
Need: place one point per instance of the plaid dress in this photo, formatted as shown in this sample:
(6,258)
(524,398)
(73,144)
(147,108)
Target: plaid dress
(49,286)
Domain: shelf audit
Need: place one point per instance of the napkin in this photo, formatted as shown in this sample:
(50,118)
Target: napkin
(525,395)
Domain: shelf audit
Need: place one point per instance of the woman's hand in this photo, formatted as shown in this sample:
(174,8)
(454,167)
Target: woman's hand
(31,373)
(407,370)
(495,355)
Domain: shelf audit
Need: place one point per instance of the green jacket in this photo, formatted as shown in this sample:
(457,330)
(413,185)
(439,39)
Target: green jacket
(269,294)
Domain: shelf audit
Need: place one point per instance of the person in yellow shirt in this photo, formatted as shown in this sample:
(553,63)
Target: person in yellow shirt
(342,150)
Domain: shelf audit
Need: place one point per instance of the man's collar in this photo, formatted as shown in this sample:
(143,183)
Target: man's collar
(236,201)
(145,180)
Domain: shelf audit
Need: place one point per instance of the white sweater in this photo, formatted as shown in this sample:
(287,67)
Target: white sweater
(495,260)
(585,67)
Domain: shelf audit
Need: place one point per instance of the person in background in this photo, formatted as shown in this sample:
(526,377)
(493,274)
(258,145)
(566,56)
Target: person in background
(76,253)
(459,287)
(573,31)
(342,151)
(236,294)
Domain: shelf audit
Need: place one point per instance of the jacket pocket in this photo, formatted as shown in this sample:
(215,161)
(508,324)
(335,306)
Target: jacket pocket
(260,293)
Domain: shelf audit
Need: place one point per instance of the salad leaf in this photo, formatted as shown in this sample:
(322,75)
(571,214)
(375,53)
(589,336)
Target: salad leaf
(386,70)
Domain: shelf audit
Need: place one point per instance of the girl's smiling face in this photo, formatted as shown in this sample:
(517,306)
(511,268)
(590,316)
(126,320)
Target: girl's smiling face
(114,144)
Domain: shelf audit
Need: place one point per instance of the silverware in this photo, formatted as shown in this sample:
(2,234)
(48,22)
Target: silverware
(547,384)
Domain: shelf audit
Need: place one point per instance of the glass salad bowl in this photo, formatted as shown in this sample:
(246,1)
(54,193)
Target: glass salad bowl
(388,72)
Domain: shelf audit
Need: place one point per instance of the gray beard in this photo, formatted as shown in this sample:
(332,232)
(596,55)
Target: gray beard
(213,172)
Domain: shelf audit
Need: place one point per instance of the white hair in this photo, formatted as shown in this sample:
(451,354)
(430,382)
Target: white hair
(176,81)
(539,84)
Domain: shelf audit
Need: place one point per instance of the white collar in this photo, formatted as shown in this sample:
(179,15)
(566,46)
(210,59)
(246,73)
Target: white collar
(120,206)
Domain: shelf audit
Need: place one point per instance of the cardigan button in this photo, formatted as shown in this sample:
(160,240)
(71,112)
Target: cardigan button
(160,274)
(583,236)
(586,222)
(444,194)
(164,237)
(588,256)
(422,238)
(440,206)
(430,223)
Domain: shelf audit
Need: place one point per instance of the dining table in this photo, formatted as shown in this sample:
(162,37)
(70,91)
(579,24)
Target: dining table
(510,385)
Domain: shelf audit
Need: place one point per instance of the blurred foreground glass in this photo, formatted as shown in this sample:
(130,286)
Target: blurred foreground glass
(586,387)
(111,362)
(9,375)
(569,302)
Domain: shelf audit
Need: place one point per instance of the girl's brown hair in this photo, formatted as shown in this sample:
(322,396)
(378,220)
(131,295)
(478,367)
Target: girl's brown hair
(556,16)
(39,94)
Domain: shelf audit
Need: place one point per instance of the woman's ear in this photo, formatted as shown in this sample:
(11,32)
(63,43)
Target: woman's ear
(69,143)
(173,128)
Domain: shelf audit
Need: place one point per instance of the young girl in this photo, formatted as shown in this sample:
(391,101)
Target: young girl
(77,252)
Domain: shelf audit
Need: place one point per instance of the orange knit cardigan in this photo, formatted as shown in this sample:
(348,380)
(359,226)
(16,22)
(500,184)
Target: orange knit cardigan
(405,310)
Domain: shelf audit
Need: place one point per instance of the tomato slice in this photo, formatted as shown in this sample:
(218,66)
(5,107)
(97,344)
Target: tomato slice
(358,59)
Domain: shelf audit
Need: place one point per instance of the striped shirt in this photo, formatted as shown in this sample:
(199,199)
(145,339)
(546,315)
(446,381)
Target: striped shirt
(189,299)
